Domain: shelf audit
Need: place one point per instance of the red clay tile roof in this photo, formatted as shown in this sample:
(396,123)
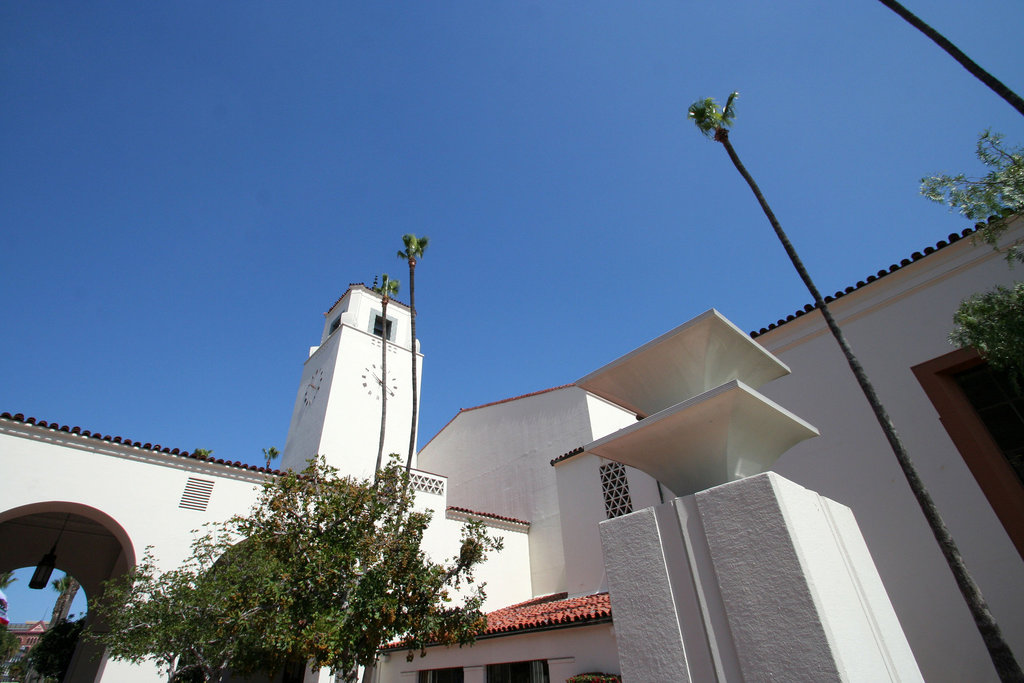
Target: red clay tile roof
(549,611)
(916,256)
(566,456)
(543,613)
(490,515)
(19,417)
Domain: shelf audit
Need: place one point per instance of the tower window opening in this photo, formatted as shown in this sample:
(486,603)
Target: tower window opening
(378,323)
(335,324)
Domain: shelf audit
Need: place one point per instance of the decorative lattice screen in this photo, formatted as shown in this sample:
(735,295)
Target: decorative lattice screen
(616,490)
(426,483)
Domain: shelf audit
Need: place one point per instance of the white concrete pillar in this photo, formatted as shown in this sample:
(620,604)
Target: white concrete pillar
(766,580)
(474,674)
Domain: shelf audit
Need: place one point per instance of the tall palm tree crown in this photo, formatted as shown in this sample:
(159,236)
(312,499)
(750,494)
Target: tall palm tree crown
(715,122)
(387,289)
(414,248)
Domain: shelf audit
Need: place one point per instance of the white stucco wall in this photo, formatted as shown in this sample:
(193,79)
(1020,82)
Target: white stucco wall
(505,574)
(133,492)
(569,651)
(498,460)
(897,322)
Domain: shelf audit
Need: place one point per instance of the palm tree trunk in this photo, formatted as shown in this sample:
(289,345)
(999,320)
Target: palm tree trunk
(1002,657)
(415,394)
(966,62)
(383,381)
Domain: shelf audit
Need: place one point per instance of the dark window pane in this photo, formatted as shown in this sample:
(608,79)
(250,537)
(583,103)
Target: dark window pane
(518,672)
(453,675)
(1000,405)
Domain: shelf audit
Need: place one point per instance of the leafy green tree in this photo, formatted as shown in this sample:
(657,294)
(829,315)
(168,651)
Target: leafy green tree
(330,571)
(997,86)
(387,289)
(715,122)
(67,588)
(414,248)
(993,323)
(51,656)
(9,644)
(994,197)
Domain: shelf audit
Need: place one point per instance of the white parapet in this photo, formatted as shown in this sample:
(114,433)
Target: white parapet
(759,579)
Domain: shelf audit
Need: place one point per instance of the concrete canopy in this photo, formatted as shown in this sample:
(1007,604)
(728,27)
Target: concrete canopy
(722,435)
(693,358)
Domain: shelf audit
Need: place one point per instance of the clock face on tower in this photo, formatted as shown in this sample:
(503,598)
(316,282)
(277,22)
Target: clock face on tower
(372,382)
(313,387)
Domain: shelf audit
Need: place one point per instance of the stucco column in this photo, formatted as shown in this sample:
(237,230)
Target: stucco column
(762,579)
(474,674)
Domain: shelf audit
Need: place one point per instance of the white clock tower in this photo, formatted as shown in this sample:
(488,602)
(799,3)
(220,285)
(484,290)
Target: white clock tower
(338,407)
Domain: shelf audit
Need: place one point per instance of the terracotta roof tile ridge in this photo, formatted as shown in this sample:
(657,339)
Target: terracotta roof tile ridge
(19,417)
(491,515)
(566,456)
(916,256)
(542,613)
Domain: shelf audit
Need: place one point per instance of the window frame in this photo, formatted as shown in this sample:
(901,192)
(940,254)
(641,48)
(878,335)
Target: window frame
(995,476)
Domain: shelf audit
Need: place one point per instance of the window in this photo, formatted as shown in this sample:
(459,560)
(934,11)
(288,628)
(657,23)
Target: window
(1000,405)
(441,676)
(518,672)
(982,415)
(378,322)
(335,324)
(615,487)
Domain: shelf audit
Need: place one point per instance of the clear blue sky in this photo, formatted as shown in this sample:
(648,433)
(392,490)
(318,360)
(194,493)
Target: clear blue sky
(186,187)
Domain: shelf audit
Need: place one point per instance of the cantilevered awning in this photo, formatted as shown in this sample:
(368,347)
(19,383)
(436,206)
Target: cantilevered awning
(695,357)
(724,434)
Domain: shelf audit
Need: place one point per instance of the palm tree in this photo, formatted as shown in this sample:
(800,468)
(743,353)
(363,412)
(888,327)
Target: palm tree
(414,249)
(6,579)
(966,62)
(387,289)
(67,587)
(714,122)
(271,455)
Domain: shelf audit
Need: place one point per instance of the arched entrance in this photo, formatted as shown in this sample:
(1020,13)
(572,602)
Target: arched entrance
(90,545)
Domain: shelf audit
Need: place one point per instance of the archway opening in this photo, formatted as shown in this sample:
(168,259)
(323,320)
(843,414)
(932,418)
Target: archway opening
(84,543)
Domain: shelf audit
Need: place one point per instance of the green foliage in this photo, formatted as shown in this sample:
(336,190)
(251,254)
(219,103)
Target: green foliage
(270,455)
(993,323)
(594,678)
(9,643)
(388,287)
(708,118)
(6,579)
(999,193)
(330,570)
(414,247)
(52,654)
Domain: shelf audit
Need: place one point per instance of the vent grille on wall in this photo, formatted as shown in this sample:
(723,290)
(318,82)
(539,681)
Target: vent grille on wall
(196,494)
